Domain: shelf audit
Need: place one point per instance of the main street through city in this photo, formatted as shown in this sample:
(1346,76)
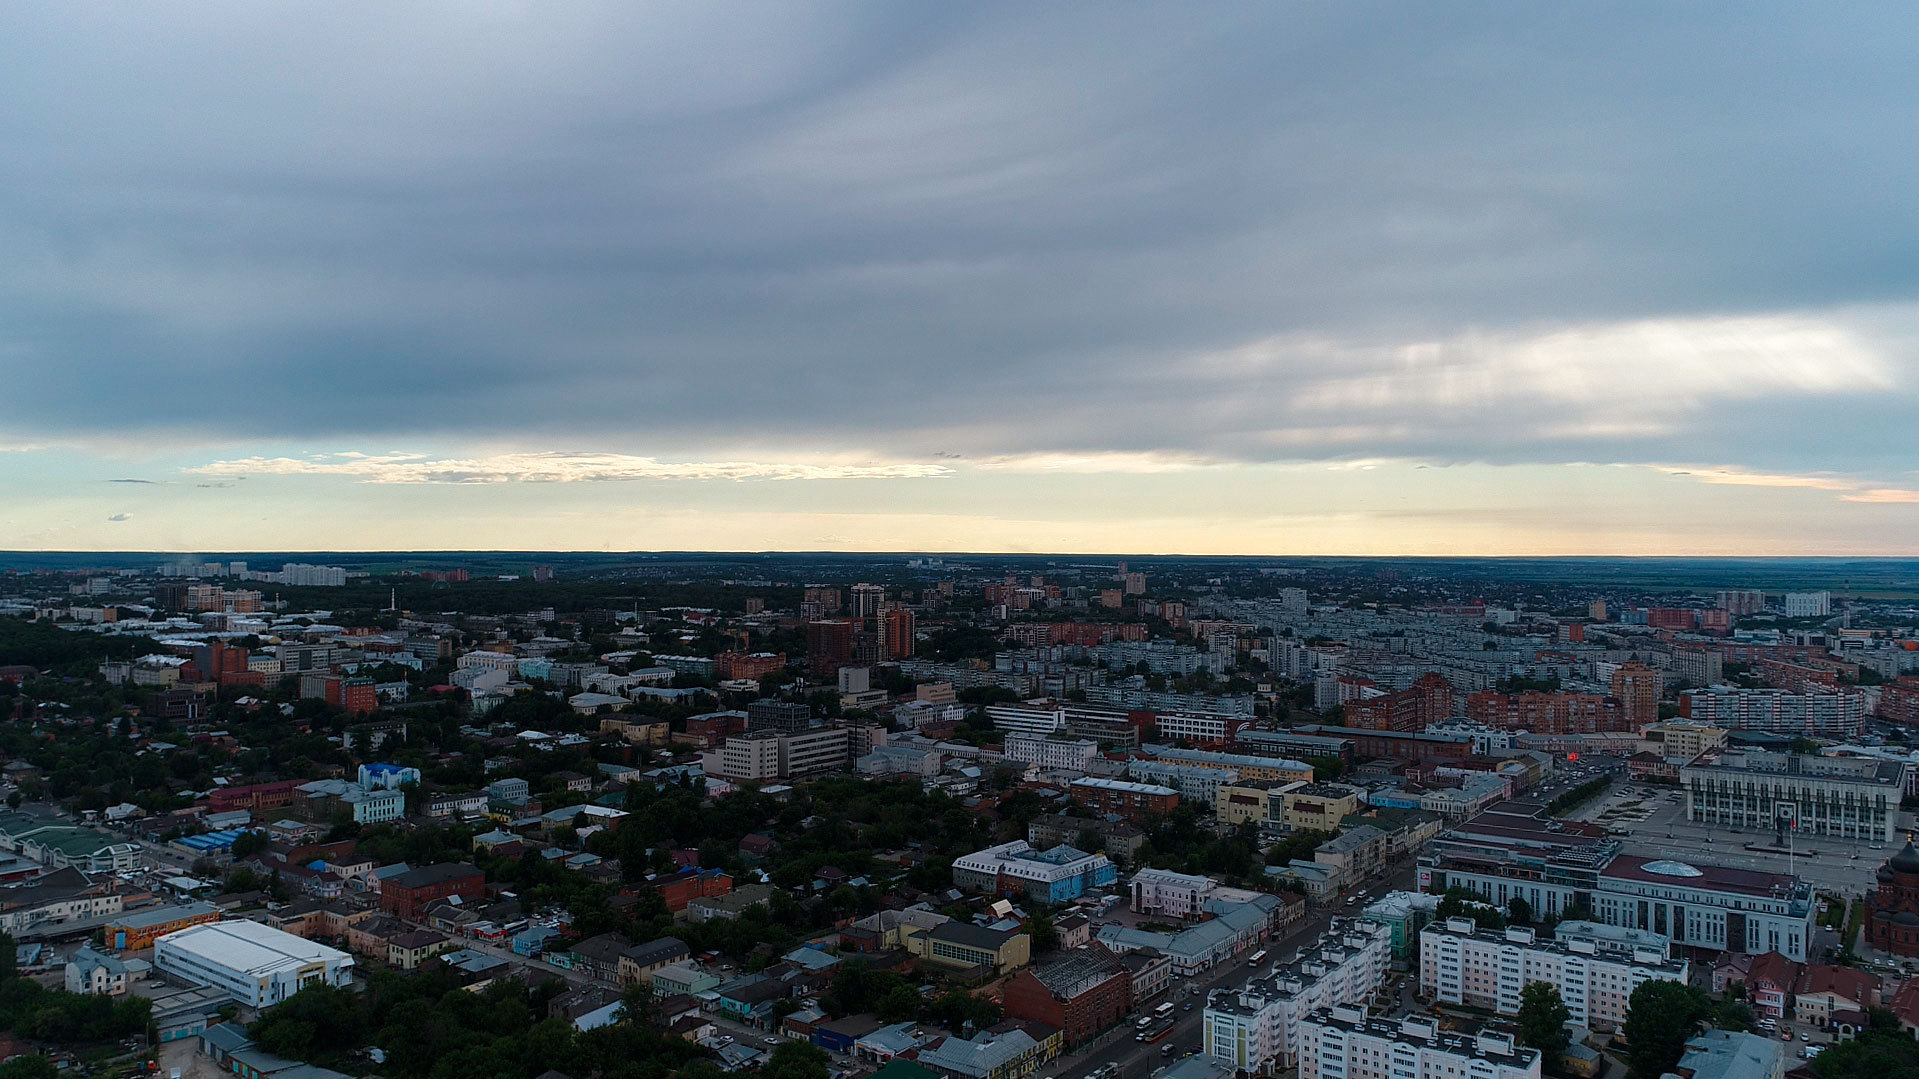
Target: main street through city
(1136,1059)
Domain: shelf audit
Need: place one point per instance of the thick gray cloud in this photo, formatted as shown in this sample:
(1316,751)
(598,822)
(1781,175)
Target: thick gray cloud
(1514,232)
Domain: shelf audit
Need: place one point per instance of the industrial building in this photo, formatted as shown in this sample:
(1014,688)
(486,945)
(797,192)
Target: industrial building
(256,965)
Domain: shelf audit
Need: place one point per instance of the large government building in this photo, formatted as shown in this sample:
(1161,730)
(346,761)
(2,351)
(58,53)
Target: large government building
(1560,866)
(1841,797)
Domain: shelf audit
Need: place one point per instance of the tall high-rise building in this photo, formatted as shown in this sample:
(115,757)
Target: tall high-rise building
(1636,686)
(829,646)
(1136,584)
(1741,602)
(896,637)
(866,600)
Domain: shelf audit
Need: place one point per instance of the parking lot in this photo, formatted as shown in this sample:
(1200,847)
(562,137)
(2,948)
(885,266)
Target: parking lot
(1651,820)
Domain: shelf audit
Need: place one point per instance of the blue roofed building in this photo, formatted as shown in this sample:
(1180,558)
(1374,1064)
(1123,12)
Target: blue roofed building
(1050,876)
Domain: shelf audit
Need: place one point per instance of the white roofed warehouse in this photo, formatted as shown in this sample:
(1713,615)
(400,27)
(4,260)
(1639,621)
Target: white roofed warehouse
(257,965)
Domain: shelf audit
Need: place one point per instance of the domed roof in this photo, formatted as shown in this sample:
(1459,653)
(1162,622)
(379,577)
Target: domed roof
(1906,917)
(1681,869)
(1907,860)
(1885,872)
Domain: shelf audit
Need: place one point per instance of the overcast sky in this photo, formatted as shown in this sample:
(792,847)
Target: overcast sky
(1343,277)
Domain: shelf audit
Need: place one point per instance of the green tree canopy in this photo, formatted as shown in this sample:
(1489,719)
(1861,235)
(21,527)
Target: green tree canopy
(1659,1018)
(1543,1016)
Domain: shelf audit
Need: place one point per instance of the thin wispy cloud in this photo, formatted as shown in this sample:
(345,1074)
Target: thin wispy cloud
(552,468)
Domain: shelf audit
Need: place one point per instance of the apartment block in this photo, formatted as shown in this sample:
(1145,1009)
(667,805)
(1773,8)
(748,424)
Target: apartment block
(1137,802)
(1257,1025)
(1346,1043)
(1459,963)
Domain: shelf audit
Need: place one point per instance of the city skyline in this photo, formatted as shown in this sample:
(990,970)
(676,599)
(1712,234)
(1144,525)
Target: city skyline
(1370,281)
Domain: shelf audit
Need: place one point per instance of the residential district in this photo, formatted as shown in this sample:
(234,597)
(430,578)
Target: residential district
(970,818)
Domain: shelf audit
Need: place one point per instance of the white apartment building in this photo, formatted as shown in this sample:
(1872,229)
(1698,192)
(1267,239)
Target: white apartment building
(1833,715)
(1257,1026)
(1174,895)
(256,965)
(1194,783)
(1461,964)
(1031,717)
(823,749)
(1845,797)
(769,754)
(1052,754)
(752,756)
(1203,728)
(1346,1043)
(1808,604)
(490,661)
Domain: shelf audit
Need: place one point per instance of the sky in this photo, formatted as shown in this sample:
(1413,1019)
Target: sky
(1304,278)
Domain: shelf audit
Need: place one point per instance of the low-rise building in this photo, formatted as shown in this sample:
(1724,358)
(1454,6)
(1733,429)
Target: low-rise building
(1234,928)
(139,929)
(1168,894)
(1731,1054)
(685,978)
(96,974)
(1318,807)
(639,963)
(963,945)
(1151,972)
(986,1055)
(256,965)
(1249,801)
(1117,839)
(408,950)
(1835,998)
(1354,854)
(1194,782)
(1051,876)
(407,894)
(1081,993)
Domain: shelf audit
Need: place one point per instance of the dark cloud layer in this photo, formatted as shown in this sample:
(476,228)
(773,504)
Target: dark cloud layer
(1252,233)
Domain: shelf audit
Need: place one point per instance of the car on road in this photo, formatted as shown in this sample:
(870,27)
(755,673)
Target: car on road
(770,1040)
(1167,1049)
(1188,1007)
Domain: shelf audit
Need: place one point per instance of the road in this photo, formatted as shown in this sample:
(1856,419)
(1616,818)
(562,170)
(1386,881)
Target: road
(1137,1059)
(574,978)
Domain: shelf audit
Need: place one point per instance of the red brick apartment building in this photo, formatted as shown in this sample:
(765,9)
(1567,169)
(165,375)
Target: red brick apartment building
(406,895)
(1134,801)
(1899,702)
(1548,713)
(255,797)
(1081,993)
(1430,700)
(684,887)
